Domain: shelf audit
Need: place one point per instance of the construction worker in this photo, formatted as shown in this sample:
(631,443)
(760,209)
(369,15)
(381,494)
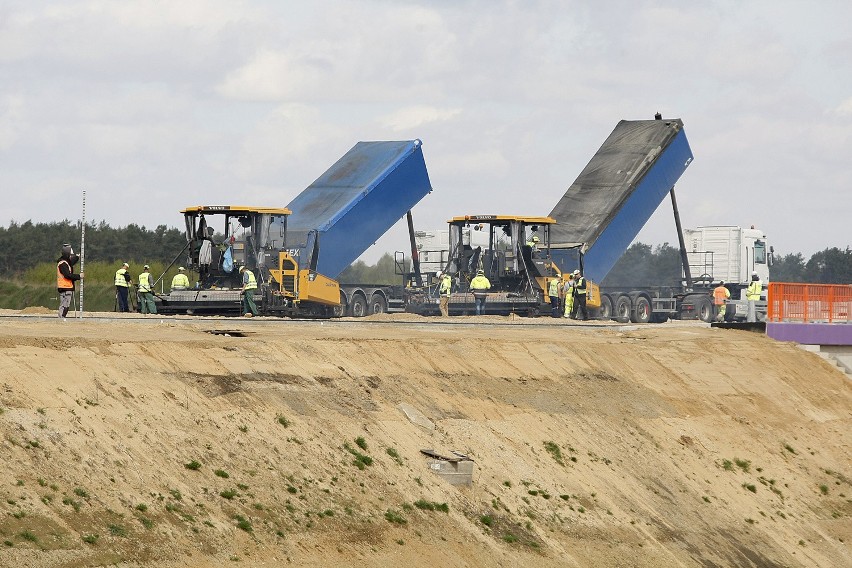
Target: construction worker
(720,296)
(444,290)
(553,293)
(753,295)
(249,286)
(180,281)
(65,278)
(580,296)
(569,296)
(122,285)
(480,286)
(533,244)
(146,291)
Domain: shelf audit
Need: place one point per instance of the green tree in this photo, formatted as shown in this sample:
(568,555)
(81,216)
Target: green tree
(789,268)
(830,266)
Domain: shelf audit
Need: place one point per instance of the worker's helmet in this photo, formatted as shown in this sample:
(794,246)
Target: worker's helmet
(125,265)
(242,268)
(754,272)
(480,273)
(576,273)
(181,269)
(439,274)
(535,238)
(721,282)
(146,267)
(67,250)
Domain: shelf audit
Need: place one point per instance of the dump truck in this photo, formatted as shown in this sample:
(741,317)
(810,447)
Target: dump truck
(513,253)
(611,200)
(254,237)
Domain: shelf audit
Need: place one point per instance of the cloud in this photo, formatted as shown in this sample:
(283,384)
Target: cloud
(416,116)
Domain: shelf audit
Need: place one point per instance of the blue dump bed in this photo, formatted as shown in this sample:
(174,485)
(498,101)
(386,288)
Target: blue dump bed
(356,201)
(617,192)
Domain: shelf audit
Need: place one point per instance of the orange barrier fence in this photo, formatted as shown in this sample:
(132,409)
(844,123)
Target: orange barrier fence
(818,303)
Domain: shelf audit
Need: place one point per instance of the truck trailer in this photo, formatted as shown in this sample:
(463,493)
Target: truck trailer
(611,200)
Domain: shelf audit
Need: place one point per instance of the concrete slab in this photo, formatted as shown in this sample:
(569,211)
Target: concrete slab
(415,416)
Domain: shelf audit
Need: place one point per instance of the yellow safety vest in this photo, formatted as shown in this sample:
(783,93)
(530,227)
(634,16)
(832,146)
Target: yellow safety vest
(252,282)
(753,290)
(446,286)
(180,280)
(580,286)
(553,288)
(145,282)
(120,280)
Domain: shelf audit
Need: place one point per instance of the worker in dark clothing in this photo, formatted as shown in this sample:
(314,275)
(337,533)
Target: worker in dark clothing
(65,278)
(580,296)
(122,286)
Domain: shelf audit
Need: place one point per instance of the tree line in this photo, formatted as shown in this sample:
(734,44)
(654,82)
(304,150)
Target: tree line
(644,265)
(26,245)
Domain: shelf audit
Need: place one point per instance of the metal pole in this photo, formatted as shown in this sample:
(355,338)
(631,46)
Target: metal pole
(82,253)
(415,255)
(683,257)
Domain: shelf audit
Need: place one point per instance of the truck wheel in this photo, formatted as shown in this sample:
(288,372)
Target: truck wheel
(641,310)
(378,304)
(621,309)
(358,307)
(704,309)
(606,308)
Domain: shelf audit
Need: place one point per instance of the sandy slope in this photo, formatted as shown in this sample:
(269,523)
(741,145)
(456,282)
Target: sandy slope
(680,445)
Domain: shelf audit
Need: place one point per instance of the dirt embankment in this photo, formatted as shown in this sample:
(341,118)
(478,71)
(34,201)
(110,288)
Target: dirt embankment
(157,443)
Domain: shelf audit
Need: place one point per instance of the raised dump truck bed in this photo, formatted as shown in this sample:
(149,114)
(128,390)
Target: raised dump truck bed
(356,201)
(617,192)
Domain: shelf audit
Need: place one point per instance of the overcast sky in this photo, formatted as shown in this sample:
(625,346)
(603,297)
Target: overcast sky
(154,106)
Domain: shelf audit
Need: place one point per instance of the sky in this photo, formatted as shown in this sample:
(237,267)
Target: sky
(150,107)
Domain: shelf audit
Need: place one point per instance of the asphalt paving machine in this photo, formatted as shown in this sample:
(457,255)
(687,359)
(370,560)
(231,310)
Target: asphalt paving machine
(254,237)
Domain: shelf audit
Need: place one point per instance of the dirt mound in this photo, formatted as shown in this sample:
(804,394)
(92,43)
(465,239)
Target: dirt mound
(180,441)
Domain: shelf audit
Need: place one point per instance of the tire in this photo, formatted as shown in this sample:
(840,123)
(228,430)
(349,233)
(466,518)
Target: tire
(378,304)
(641,312)
(621,310)
(605,311)
(704,309)
(358,306)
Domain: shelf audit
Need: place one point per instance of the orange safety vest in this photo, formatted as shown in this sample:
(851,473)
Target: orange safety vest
(63,283)
(720,294)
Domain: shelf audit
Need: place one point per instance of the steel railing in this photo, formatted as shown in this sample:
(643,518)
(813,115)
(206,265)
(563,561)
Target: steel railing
(809,303)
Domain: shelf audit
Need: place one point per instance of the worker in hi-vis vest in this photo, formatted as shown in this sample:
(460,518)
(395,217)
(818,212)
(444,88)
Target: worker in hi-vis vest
(122,285)
(720,297)
(480,286)
(249,286)
(444,291)
(580,296)
(146,292)
(753,291)
(553,293)
(569,296)
(180,281)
